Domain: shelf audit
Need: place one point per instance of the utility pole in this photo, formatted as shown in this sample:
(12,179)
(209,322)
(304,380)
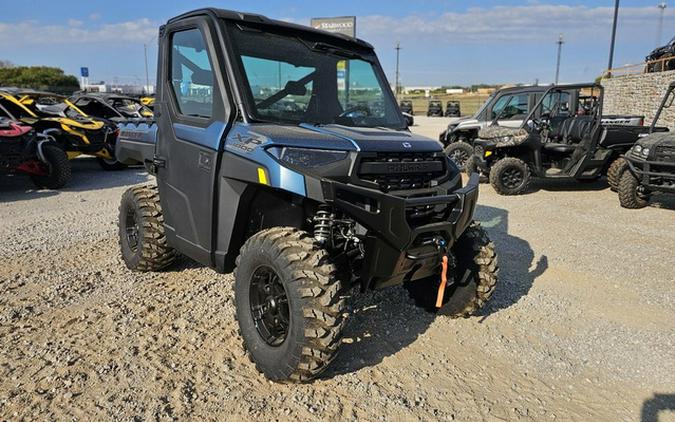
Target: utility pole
(611,45)
(147,76)
(398,52)
(659,31)
(560,42)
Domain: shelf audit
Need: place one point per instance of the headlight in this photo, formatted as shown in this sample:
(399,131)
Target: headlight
(306,157)
(638,148)
(645,152)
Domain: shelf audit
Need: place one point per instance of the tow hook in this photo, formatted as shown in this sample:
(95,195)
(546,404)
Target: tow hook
(444,282)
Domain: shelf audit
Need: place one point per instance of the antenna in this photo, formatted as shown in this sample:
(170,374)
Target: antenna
(398,51)
(560,42)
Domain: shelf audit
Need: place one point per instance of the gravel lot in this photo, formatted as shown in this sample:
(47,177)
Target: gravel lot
(582,326)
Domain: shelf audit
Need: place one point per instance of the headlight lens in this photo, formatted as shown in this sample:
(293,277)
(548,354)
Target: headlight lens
(645,152)
(638,148)
(306,157)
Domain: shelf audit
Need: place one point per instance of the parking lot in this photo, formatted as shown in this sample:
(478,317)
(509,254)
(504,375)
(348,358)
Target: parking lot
(580,327)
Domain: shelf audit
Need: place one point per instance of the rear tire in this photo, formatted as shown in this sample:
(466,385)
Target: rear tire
(110,165)
(475,277)
(58,168)
(629,197)
(460,153)
(142,237)
(615,171)
(510,176)
(294,341)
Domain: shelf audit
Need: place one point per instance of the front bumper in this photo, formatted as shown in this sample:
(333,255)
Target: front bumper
(398,246)
(654,175)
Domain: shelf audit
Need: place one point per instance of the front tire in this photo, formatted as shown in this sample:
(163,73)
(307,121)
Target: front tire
(475,277)
(57,167)
(629,192)
(142,238)
(510,176)
(290,304)
(110,164)
(460,153)
(615,171)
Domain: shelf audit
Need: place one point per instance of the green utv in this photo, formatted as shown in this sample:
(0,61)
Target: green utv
(269,164)
(650,164)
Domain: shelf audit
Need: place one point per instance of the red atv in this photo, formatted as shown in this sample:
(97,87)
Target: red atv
(38,155)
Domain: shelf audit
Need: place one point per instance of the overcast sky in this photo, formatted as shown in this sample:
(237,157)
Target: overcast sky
(443,42)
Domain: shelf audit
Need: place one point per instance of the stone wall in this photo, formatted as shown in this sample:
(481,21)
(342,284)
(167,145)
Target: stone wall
(641,95)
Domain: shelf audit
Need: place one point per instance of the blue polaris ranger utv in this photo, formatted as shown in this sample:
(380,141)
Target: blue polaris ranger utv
(280,154)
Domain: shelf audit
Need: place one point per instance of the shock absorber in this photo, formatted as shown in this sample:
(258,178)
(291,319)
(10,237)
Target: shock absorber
(322,224)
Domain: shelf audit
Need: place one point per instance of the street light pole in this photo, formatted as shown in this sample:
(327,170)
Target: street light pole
(611,45)
(557,67)
(659,32)
(398,51)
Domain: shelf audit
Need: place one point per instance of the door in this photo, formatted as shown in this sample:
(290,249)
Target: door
(194,115)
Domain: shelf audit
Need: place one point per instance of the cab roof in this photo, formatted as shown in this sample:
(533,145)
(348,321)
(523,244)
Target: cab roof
(253,18)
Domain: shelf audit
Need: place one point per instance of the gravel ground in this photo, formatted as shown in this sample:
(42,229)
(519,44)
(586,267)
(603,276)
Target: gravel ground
(581,326)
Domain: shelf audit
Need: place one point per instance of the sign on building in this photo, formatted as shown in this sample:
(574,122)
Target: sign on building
(341,25)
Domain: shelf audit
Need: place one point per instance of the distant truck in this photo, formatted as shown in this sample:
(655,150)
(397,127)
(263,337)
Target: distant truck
(452,109)
(435,109)
(662,58)
(407,107)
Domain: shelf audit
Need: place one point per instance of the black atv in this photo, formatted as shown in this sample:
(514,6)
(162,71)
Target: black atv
(303,203)
(452,109)
(650,164)
(561,138)
(435,109)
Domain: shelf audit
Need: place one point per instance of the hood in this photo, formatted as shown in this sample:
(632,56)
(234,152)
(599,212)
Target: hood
(346,138)
(661,138)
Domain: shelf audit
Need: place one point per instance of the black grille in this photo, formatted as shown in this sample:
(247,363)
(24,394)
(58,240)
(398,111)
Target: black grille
(402,171)
(665,153)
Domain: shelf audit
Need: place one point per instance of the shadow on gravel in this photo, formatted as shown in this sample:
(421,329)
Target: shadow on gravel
(655,405)
(564,185)
(87,176)
(386,321)
(516,257)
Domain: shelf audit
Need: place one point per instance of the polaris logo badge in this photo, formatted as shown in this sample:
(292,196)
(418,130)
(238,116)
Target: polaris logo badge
(405,167)
(407,145)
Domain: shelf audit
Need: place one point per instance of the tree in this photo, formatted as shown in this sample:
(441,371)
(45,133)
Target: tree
(38,77)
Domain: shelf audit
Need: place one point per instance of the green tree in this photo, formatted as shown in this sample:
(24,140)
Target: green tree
(39,77)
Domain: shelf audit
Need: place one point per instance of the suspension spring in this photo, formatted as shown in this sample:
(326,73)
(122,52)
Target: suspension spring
(323,220)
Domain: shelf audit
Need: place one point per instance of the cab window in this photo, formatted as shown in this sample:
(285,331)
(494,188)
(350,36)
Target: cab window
(191,74)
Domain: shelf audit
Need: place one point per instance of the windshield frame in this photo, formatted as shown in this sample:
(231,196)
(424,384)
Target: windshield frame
(307,38)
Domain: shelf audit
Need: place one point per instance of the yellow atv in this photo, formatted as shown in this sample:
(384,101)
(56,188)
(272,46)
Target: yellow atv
(148,101)
(55,116)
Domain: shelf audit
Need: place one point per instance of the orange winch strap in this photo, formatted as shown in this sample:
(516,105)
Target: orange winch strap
(444,281)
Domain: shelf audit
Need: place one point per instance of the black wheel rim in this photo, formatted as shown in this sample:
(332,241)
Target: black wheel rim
(459,156)
(131,229)
(512,177)
(269,305)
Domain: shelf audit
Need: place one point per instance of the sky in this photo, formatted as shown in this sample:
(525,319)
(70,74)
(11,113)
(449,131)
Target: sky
(448,42)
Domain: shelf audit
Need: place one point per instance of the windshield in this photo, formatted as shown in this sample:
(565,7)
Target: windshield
(482,108)
(289,79)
